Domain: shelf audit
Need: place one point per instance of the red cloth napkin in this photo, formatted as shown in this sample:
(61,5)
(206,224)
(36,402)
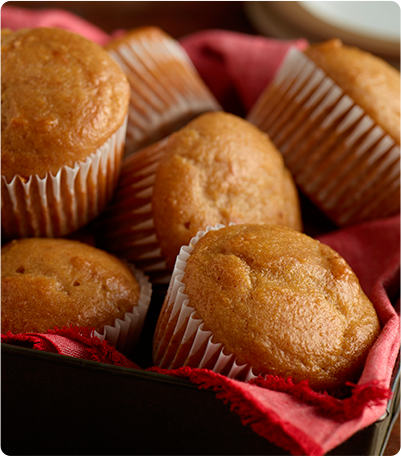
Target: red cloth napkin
(15,18)
(237,67)
(74,341)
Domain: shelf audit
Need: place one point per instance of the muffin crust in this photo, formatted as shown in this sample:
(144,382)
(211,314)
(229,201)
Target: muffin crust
(63,96)
(219,169)
(282,302)
(57,282)
(369,80)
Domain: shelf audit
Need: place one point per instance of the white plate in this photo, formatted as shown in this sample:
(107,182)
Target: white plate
(375,19)
(370,25)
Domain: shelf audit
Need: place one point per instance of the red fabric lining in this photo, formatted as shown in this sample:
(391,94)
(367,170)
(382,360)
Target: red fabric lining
(266,423)
(339,409)
(71,341)
(13,17)
(227,66)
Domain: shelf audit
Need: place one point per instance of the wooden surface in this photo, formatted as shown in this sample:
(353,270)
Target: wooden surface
(178,19)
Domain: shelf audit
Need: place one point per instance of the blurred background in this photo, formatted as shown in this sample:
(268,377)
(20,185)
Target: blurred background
(371,25)
(178,18)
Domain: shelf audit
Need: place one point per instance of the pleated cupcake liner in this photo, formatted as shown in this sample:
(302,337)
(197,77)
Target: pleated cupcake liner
(125,333)
(126,227)
(339,157)
(57,205)
(166,89)
(181,338)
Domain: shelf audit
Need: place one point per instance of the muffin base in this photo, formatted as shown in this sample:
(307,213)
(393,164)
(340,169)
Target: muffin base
(126,226)
(58,205)
(339,157)
(124,335)
(181,339)
(166,90)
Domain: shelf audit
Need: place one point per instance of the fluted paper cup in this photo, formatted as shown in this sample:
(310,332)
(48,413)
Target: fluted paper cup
(166,89)
(339,157)
(181,338)
(126,226)
(57,205)
(125,333)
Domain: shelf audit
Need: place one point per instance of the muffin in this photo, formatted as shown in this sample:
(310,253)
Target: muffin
(126,226)
(219,168)
(334,113)
(63,124)
(48,283)
(166,90)
(246,300)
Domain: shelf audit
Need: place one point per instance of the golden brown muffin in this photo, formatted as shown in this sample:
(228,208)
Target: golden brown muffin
(166,89)
(280,301)
(58,282)
(334,113)
(62,98)
(369,80)
(63,122)
(219,169)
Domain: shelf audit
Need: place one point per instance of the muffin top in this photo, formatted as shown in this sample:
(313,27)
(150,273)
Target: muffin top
(62,97)
(219,168)
(283,302)
(57,282)
(370,81)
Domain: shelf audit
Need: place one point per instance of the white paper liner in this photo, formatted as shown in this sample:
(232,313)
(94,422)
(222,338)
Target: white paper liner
(338,156)
(166,90)
(124,335)
(189,333)
(58,205)
(126,227)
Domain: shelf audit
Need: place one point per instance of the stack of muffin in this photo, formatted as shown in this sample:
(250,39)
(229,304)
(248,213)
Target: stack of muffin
(128,144)
(69,116)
